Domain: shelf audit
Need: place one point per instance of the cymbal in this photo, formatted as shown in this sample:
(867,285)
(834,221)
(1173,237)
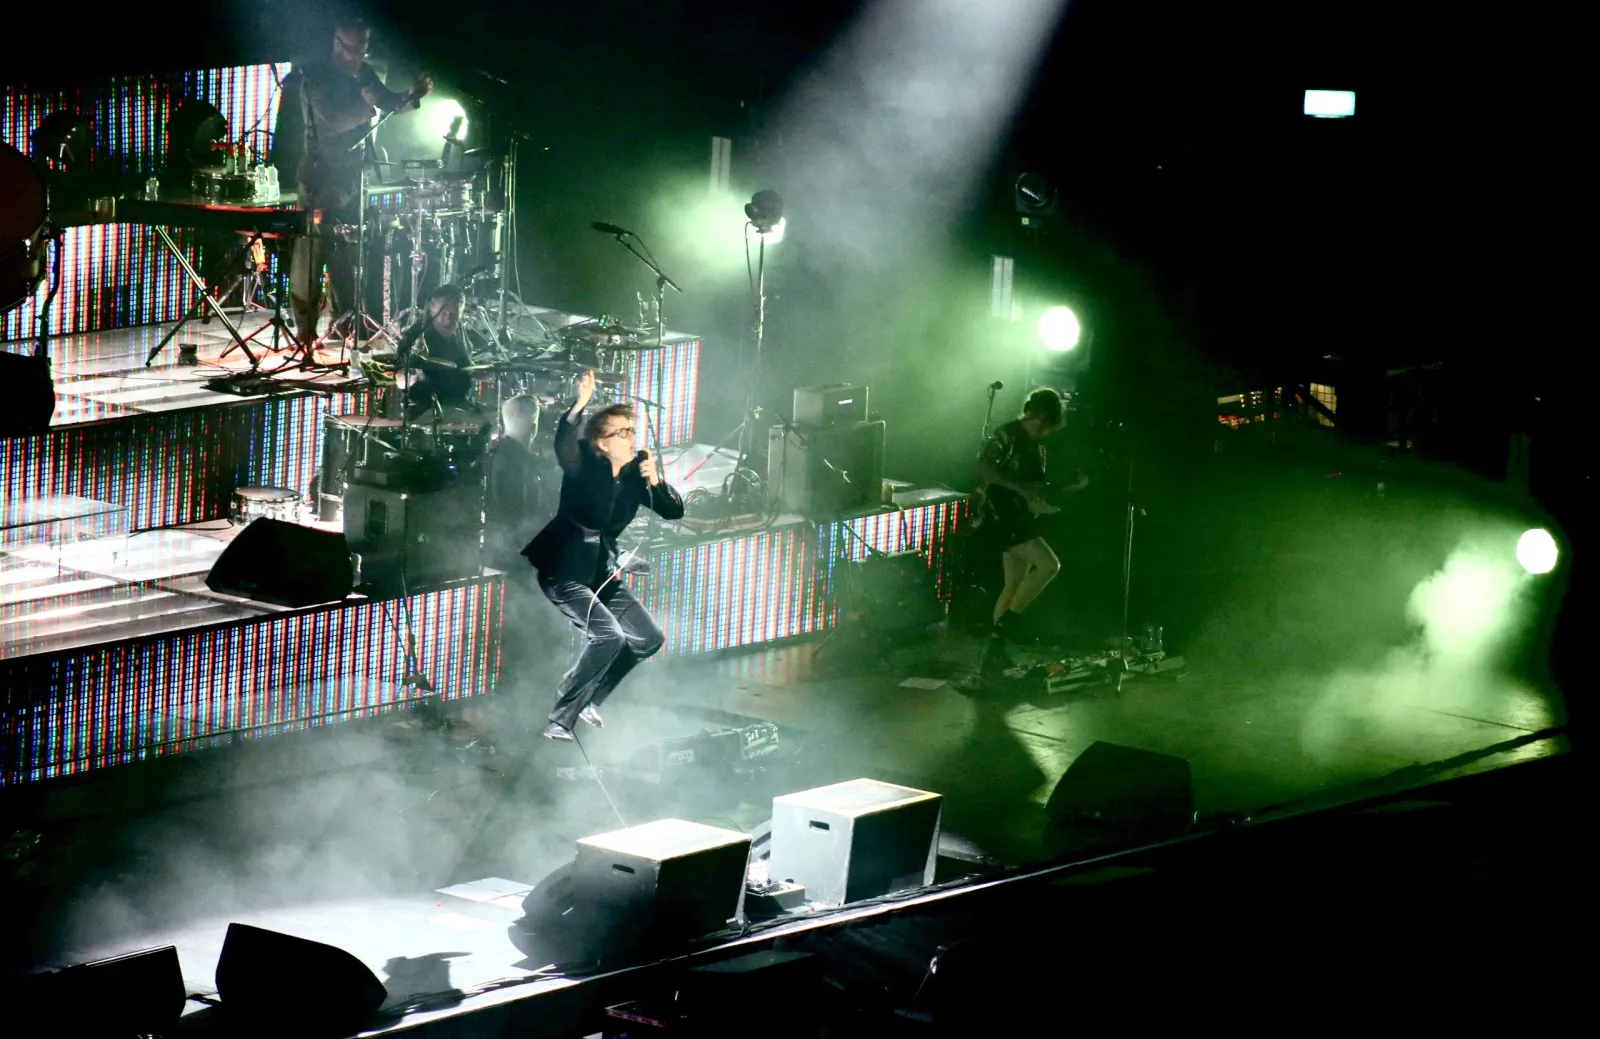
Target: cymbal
(574,368)
(431,364)
(595,332)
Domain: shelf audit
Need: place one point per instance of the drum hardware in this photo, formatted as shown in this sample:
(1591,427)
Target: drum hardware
(253,503)
(22,228)
(25,236)
(573,368)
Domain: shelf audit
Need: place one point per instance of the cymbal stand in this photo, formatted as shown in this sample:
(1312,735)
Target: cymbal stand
(508,237)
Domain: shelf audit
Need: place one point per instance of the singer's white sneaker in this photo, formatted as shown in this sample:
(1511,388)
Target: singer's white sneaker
(592,716)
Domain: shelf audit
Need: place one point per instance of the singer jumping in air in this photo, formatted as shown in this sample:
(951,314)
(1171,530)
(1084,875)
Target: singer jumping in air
(603,483)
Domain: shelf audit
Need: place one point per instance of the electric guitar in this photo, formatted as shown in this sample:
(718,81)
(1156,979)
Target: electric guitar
(1041,505)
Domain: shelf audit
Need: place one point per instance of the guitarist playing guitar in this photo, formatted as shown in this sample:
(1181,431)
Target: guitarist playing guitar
(1011,480)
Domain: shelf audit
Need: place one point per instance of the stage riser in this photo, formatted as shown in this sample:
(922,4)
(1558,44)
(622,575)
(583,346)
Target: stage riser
(174,467)
(105,705)
(760,588)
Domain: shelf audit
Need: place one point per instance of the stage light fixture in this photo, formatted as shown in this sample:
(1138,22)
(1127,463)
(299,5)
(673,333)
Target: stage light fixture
(765,211)
(1035,195)
(444,118)
(1537,551)
(61,140)
(1330,104)
(1060,330)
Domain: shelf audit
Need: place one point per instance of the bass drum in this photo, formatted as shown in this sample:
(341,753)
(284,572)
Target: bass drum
(22,217)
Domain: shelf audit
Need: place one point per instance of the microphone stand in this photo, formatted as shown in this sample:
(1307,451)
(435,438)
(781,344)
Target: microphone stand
(656,385)
(988,417)
(1132,511)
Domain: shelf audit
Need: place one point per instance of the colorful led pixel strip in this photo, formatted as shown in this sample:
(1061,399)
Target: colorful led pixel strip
(175,467)
(776,584)
(677,366)
(115,276)
(79,710)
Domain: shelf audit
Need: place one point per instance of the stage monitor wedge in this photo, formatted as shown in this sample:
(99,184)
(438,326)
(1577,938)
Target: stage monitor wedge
(854,840)
(1126,788)
(284,564)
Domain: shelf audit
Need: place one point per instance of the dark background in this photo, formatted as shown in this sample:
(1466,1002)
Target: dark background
(1433,226)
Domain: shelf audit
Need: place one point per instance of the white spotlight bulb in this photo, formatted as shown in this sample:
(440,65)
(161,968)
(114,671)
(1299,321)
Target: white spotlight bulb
(1059,329)
(1537,552)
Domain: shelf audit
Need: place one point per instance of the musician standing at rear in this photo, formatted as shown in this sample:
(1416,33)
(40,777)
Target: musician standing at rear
(339,96)
(1011,482)
(603,484)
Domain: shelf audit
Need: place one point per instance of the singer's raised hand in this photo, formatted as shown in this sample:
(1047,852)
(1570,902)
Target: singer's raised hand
(585,389)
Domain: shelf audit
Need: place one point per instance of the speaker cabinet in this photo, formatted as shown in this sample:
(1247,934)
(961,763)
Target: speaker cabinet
(855,840)
(670,878)
(823,472)
(27,392)
(1124,787)
(284,564)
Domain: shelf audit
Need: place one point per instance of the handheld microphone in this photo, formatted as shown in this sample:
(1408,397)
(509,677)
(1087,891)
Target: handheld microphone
(605,228)
(997,385)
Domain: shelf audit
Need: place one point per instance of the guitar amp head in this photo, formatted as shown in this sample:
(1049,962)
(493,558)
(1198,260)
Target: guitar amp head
(824,407)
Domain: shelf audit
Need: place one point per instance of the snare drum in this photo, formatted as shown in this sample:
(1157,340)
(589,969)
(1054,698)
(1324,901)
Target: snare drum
(253,503)
(216,184)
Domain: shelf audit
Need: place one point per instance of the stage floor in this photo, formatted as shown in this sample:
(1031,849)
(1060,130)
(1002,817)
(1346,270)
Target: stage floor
(103,375)
(59,597)
(355,834)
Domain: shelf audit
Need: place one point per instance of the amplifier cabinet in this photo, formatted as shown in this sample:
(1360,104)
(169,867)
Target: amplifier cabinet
(433,535)
(820,473)
(838,404)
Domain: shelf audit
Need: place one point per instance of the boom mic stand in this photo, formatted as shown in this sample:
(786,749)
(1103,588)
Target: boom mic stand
(662,282)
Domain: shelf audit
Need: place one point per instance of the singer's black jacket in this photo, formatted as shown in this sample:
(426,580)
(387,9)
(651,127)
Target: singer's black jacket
(580,544)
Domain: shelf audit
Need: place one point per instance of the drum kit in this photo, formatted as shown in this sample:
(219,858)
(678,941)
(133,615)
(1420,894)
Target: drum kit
(446,231)
(451,443)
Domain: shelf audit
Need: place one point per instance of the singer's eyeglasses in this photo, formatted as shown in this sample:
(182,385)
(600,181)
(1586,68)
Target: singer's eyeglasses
(620,431)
